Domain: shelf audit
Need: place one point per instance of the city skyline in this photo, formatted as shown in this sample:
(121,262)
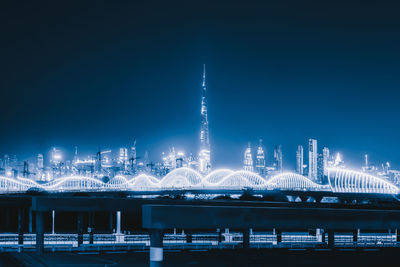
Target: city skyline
(274,158)
(125,160)
(284,73)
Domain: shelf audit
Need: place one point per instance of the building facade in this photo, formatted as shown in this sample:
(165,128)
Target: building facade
(299,160)
(312,160)
(205,152)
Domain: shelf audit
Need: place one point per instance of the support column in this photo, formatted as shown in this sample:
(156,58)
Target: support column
(278,236)
(20,226)
(331,239)
(219,231)
(397,235)
(80,228)
(112,222)
(39,232)
(355,236)
(118,222)
(30,220)
(156,248)
(53,217)
(246,238)
(189,236)
(91,229)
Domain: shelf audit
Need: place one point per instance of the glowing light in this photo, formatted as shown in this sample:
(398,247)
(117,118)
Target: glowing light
(340,180)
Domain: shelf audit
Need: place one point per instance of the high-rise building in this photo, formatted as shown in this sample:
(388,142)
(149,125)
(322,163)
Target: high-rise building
(312,159)
(75,155)
(278,160)
(123,157)
(6,161)
(248,159)
(133,157)
(320,169)
(325,155)
(299,160)
(40,164)
(204,154)
(260,159)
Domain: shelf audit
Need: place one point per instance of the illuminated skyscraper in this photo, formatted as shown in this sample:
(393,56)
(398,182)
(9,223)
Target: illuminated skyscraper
(325,155)
(40,162)
(123,157)
(312,159)
(248,159)
(260,159)
(204,154)
(133,157)
(278,159)
(299,160)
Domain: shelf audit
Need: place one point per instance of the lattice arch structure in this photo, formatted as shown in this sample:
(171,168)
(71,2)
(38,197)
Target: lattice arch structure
(292,181)
(349,181)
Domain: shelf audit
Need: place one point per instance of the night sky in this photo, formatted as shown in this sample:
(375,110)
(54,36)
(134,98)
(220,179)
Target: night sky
(99,74)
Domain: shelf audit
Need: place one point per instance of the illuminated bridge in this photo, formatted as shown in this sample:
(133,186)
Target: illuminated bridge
(340,181)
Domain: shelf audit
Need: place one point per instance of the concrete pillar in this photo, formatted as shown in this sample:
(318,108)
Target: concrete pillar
(111,222)
(278,236)
(80,228)
(53,217)
(39,233)
(30,220)
(331,239)
(156,248)
(189,236)
(91,229)
(118,222)
(219,231)
(323,236)
(246,238)
(355,236)
(20,226)
(397,235)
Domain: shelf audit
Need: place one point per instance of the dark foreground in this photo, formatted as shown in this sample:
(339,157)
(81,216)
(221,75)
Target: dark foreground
(307,258)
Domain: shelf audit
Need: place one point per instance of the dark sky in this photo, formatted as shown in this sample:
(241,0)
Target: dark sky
(98,74)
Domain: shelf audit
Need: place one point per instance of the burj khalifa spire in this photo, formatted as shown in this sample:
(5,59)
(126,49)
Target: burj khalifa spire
(204,154)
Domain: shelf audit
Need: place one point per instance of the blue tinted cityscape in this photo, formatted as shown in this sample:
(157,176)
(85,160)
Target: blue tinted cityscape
(316,169)
(212,133)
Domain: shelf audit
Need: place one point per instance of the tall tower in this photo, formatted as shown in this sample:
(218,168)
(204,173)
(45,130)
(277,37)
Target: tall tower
(325,154)
(260,159)
(204,154)
(248,159)
(278,158)
(312,159)
(299,160)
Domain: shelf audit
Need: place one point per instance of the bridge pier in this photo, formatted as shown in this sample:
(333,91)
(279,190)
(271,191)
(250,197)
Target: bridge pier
(355,235)
(278,236)
(118,222)
(91,229)
(30,220)
(20,226)
(189,236)
(331,239)
(112,222)
(219,231)
(80,228)
(156,248)
(246,238)
(39,232)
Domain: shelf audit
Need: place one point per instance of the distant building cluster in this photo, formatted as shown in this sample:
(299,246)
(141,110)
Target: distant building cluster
(106,164)
(319,161)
